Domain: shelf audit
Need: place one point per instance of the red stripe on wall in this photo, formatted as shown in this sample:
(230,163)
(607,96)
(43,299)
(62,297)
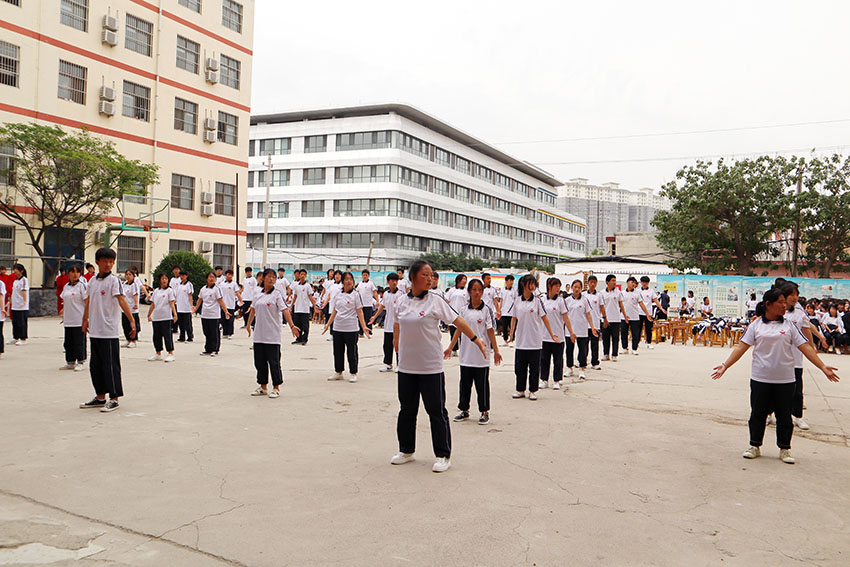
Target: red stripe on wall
(216,98)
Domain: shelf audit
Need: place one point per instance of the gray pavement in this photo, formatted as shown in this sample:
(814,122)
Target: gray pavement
(640,465)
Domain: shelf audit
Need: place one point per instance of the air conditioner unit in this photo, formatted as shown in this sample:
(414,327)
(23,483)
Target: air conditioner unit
(210,124)
(106,107)
(207,197)
(212,64)
(107,93)
(110,23)
(209,136)
(207,210)
(205,246)
(109,38)
(212,76)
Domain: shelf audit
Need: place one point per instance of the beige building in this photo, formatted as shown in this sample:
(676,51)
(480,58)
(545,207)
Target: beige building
(168,81)
(640,245)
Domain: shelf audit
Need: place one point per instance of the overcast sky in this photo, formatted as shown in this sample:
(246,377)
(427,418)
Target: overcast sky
(513,73)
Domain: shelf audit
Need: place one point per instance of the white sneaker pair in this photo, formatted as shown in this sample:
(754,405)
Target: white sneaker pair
(442,464)
(386,368)
(544,384)
(335,376)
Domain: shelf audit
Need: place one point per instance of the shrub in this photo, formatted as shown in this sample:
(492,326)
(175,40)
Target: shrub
(193,263)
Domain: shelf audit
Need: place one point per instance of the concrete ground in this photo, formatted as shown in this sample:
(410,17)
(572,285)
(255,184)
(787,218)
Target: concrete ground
(640,465)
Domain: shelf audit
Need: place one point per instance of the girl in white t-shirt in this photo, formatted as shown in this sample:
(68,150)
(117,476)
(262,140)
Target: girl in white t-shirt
(74,296)
(553,351)
(183,292)
(706,309)
(3,294)
(131,289)
(213,305)
(578,311)
(162,314)
(772,382)
(457,298)
(751,306)
(347,321)
(20,305)
(264,315)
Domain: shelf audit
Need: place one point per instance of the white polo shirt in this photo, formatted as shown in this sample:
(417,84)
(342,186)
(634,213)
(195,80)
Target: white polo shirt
(161,299)
(366,291)
(631,304)
(439,292)
(801,319)
(480,320)
(220,279)
(458,297)
(490,295)
(508,299)
(346,305)
(104,309)
(529,328)
(130,291)
(388,301)
(74,303)
(611,300)
(647,296)
(210,308)
(691,301)
(594,299)
(703,307)
(19,286)
(228,293)
(403,285)
(3,293)
(174,282)
(268,324)
(249,288)
(578,310)
(555,309)
(183,292)
(302,293)
(420,349)
(774,343)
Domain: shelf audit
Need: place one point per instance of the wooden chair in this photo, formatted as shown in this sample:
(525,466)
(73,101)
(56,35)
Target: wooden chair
(735,336)
(679,333)
(716,338)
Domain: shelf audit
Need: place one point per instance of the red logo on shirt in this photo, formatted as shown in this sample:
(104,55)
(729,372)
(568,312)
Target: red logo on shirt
(421,313)
(531,310)
(479,321)
(781,332)
(102,293)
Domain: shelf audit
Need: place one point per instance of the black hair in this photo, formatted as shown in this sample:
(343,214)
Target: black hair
(523,284)
(753,296)
(175,267)
(228,271)
(780,282)
(690,292)
(218,268)
(485,275)
(365,271)
(75,268)
(416,267)
(474,281)
(459,278)
(644,279)
(400,270)
(158,278)
(592,277)
(392,276)
(108,253)
(832,306)
(264,273)
(610,277)
(579,282)
(338,272)
(631,279)
(346,273)
(330,271)
(249,269)
(509,278)
(89,266)
(184,273)
(770,296)
(282,270)
(208,277)
(20,268)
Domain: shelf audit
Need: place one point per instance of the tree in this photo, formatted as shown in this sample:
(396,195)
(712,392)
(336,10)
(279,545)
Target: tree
(63,181)
(825,211)
(723,218)
(194,264)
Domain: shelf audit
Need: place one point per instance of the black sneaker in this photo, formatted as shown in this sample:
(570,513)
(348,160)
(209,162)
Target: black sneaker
(181,340)
(296,342)
(111,405)
(190,340)
(484,419)
(462,416)
(93,403)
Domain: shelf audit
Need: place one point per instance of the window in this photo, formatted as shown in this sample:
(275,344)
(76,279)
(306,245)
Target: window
(279,178)
(414,145)
(481,225)
(405,242)
(223,255)
(188,54)
(502,206)
(413,178)
(441,187)
(362,174)
(523,189)
(312,208)
(413,211)
(10,60)
(225,199)
(314,240)
(483,200)
(72,82)
(503,181)
(137,101)
(356,239)
(180,245)
(131,252)
(461,221)
(7,246)
(432,245)
(502,230)
(194,5)
(231,71)
(455,247)
(520,211)
(314,144)
(281,240)
(364,140)
(228,128)
(463,165)
(275,146)
(7,165)
(442,157)
(182,191)
(314,176)
(74,13)
(482,172)
(461,193)
(231,15)
(363,207)
(185,116)
(139,35)
(441,217)
(277,209)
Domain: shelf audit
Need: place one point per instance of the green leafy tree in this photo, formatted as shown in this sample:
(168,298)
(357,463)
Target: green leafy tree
(194,264)
(825,212)
(64,181)
(724,217)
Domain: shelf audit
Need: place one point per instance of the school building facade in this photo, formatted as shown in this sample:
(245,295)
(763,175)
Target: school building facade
(169,82)
(380,185)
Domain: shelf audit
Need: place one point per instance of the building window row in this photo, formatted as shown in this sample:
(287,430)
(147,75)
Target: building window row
(183,195)
(139,35)
(10,61)
(270,147)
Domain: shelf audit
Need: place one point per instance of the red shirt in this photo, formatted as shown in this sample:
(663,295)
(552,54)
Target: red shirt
(9,279)
(88,277)
(61,281)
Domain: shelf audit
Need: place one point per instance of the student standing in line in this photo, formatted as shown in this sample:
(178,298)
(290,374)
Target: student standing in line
(578,310)
(211,304)
(73,308)
(457,297)
(100,321)
(553,347)
(597,314)
(368,295)
(475,366)
(304,302)
(491,297)
(249,289)
(131,290)
(772,382)
(89,273)
(387,304)
(706,309)
(61,282)
(3,296)
(283,285)
(20,305)
(331,291)
(649,298)
(326,285)
(162,313)
(612,300)
(435,286)
(797,315)
(219,275)
(751,306)
(633,305)
(183,291)
(266,312)
(230,294)
(403,283)
(508,299)
(173,283)
(528,323)
(418,341)
(346,319)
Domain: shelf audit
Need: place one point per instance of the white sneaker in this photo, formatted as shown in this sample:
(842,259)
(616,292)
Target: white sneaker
(532,396)
(19,342)
(635,353)
(785,456)
(442,464)
(337,376)
(169,358)
(613,359)
(556,386)
(626,351)
(569,372)
(798,422)
(22,342)
(132,345)
(544,384)
(771,420)
(386,368)
(606,358)
(79,367)
(752,453)
(650,347)
(517,395)
(154,358)
(68,366)
(352,378)
(581,375)
(126,345)
(596,367)
(402,458)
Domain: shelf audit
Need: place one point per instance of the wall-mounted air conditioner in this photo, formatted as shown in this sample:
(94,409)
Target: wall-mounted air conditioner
(107,108)
(211,76)
(107,93)
(109,38)
(209,136)
(207,210)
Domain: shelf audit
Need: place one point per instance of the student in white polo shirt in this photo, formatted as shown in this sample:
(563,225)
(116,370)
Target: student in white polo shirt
(650,300)
(633,308)
(131,288)
(772,383)
(475,366)
(797,315)
(706,309)
(368,295)
(301,305)
(387,304)
(162,312)
(3,294)
(265,315)
(418,341)
(597,308)
(104,304)
(403,282)
(612,300)
(553,350)
(508,298)
(211,304)
(457,298)
(283,285)
(346,320)
(231,295)
(184,291)
(578,311)
(491,297)
(249,289)
(20,305)
(73,308)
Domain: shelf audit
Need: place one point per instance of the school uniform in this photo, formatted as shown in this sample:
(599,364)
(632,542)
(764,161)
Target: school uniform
(249,291)
(420,369)
(104,316)
(797,315)
(131,292)
(3,295)
(577,310)
(301,310)
(403,285)
(772,381)
(20,308)
(611,334)
(228,294)
(509,297)
(367,290)
(529,333)
(346,325)
(161,318)
(220,279)
(691,303)
(706,310)
(268,309)
(457,298)
(388,301)
(490,295)
(647,296)
(283,286)
(834,331)
(74,307)
(594,300)
(474,366)
(551,351)
(751,308)
(211,318)
(183,293)
(631,303)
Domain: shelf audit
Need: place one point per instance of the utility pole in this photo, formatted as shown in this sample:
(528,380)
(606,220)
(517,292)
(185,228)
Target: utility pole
(797,224)
(266,213)
(371,247)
